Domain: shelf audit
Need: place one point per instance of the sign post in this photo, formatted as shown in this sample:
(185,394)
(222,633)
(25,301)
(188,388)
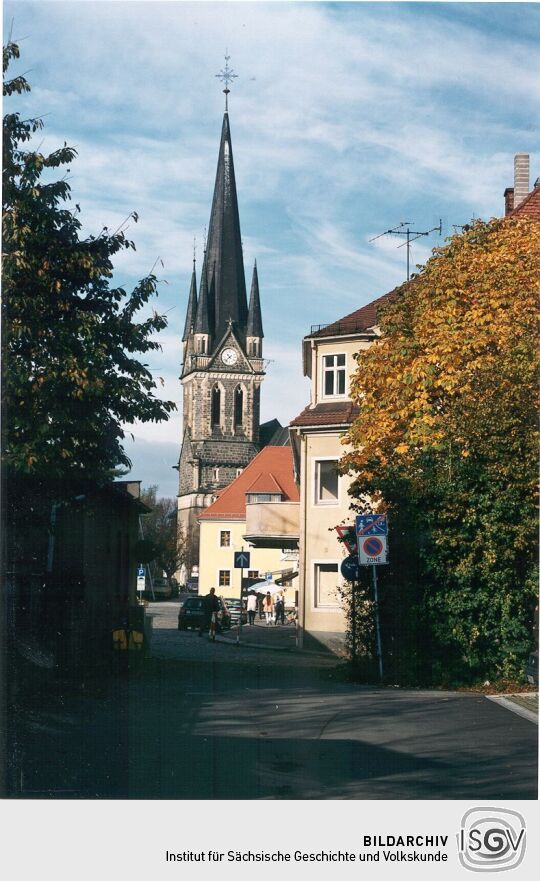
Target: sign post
(241,559)
(372,533)
(377,625)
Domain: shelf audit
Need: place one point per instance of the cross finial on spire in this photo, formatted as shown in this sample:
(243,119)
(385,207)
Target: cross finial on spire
(194,250)
(226,76)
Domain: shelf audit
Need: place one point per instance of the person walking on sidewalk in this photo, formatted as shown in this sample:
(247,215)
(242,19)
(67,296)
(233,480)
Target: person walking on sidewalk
(251,607)
(280,609)
(210,609)
(268,606)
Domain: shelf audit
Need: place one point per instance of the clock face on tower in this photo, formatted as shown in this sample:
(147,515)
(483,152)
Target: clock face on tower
(229,357)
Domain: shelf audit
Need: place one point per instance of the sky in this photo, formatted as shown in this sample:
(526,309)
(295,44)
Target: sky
(347,119)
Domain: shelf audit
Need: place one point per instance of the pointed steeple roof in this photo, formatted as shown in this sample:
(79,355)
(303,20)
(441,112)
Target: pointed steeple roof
(202,321)
(254,321)
(224,245)
(191,307)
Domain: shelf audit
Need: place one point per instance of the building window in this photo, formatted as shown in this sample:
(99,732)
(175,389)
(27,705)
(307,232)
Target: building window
(254,348)
(215,475)
(239,471)
(326,482)
(252,498)
(333,375)
(201,346)
(224,577)
(253,573)
(238,408)
(216,407)
(326,585)
(224,539)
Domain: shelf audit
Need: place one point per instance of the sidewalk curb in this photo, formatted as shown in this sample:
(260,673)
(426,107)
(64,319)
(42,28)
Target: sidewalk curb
(255,645)
(514,708)
(277,648)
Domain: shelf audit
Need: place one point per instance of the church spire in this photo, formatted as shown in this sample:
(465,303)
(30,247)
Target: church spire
(254,321)
(224,245)
(192,306)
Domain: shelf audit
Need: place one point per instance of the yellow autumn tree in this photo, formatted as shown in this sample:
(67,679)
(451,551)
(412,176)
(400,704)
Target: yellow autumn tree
(447,432)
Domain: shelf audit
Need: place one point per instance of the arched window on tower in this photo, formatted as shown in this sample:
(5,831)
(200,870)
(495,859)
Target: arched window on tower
(215,419)
(238,408)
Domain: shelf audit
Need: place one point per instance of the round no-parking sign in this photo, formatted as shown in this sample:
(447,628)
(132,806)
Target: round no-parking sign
(372,550)
(373,547)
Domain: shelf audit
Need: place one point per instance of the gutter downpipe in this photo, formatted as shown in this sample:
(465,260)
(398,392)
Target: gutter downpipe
(315,374)
(303,535)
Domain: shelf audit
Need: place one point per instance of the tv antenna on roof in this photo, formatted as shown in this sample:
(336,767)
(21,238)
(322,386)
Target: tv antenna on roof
(404,229)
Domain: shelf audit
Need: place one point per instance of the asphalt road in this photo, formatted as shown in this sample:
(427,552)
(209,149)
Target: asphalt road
(204,720)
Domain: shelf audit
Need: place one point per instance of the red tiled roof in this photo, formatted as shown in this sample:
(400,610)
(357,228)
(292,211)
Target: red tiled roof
(340,413)
(265,483)
(273,465)
(530,207)
(360,320)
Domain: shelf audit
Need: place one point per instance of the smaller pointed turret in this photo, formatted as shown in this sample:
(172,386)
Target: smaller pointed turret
(254,328)
(191,307)
(202,328)
(254,321)
(202,321)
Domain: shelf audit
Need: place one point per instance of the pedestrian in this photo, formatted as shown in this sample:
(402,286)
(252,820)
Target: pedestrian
(260,602)
(292,616)
(251,607)
(268,606)
(210,610)
(280,609)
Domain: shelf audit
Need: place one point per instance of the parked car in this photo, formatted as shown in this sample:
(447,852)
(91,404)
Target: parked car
(162,589)
(192,585)
(191,614)
(531,670)
(233,605)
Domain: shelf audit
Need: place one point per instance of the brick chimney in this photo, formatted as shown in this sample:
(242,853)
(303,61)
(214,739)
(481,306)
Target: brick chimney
(521,178)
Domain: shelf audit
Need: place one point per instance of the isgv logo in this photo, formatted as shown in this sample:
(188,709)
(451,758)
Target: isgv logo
(491,839)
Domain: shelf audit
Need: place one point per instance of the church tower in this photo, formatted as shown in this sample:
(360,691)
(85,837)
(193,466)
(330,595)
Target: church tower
(222,366)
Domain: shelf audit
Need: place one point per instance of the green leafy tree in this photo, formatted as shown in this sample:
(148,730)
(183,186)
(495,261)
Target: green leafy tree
(71,376)
(446,441)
